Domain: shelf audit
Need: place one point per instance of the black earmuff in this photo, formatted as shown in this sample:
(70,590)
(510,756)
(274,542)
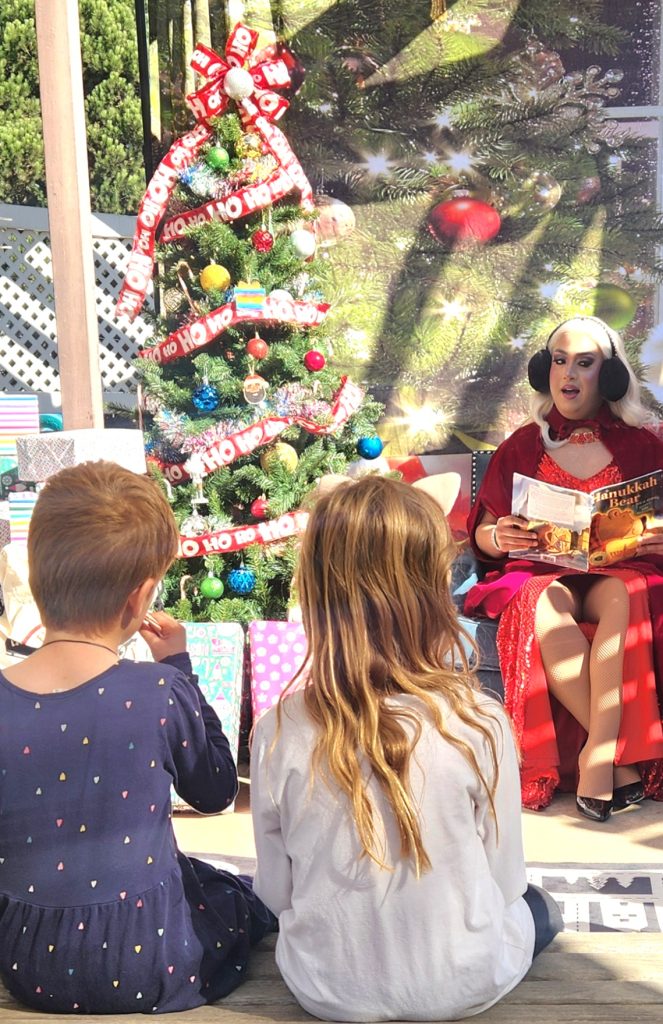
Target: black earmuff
(538,370)
(614,377)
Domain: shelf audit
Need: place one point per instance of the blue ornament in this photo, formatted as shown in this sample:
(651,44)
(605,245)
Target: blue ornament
(242,580)
(205,398)
(370,447)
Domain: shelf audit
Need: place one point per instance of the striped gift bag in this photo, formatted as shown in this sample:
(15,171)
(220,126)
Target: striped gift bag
(21,507)
(19,414)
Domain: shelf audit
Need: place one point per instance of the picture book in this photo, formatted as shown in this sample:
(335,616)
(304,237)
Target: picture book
(588,530)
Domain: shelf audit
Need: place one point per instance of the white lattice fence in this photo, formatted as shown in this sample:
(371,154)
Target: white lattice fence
(28,342)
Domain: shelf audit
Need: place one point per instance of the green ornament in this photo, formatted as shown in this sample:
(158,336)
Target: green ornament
(217,158)
(614,305)
(211,586)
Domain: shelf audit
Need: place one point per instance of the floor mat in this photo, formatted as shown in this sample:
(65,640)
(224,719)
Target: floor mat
(607,898)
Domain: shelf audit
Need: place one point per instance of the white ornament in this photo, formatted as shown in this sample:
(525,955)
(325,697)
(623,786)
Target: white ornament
(335,221)
(281,295)
(238,84)
(303,242)
(195,467)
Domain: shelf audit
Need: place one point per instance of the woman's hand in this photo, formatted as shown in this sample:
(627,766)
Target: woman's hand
(649,544)
(163,634)
(510,533)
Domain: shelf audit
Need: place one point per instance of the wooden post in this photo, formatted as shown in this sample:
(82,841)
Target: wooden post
(70,219)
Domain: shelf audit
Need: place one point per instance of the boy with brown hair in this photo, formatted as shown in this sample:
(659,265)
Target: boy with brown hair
(100,912)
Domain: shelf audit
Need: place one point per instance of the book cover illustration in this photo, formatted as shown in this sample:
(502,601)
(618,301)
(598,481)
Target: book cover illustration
(581,530)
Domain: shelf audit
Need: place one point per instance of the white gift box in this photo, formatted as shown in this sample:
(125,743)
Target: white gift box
(42,455)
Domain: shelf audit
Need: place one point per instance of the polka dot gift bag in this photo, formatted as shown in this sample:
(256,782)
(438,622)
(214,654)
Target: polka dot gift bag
(277,650)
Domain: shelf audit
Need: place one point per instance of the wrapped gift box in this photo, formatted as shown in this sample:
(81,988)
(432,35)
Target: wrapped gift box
(19,414)
(42,455)
(21,507)
(10,483)
(277,651)
(217,655)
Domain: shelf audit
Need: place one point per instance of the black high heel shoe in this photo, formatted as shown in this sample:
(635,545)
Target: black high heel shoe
(594,808)
(624,796)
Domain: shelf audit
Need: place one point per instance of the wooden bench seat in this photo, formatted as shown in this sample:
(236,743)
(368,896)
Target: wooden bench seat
(609,978)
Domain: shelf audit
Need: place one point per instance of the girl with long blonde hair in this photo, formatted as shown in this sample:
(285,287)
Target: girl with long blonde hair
(385,784)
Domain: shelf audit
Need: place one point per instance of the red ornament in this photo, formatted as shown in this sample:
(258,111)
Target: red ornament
(464,220)
(257,348)
(259,508)
(263,241)
(314,360)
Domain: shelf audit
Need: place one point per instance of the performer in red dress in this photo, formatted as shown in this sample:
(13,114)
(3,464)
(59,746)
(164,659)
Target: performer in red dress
(581,654)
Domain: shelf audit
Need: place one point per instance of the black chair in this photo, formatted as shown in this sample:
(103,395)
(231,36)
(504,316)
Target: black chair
(467,571)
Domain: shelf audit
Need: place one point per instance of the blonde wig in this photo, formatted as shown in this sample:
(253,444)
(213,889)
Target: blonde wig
(373,581)
(629,408)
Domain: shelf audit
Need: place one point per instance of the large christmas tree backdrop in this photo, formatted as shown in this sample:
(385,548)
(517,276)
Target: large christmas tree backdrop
(245,410)
(493,197)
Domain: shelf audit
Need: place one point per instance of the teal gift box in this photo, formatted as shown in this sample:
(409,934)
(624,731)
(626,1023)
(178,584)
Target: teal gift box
(216,650)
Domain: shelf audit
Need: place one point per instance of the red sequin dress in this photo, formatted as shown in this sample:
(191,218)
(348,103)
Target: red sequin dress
(550,738)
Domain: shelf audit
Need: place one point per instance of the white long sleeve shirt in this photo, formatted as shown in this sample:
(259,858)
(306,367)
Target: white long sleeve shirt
(359,943)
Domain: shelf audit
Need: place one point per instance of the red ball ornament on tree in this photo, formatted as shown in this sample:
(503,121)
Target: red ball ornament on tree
(257,348)
(263,240)
(464,220)
(314,360)
(259,508)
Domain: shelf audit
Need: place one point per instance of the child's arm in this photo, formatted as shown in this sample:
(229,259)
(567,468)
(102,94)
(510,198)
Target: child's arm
(502,834)
(198,754)
(273,876)
(199,757)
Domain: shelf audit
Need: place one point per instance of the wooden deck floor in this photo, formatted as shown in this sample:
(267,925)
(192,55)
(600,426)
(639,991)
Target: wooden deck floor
(608,978)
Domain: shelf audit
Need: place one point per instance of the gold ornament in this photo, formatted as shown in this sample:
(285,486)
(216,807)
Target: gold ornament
(215,278)
(281,454)
(249,146)
(173,300)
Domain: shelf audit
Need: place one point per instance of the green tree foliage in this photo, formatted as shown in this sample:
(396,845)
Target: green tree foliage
(497,101)
(110,78)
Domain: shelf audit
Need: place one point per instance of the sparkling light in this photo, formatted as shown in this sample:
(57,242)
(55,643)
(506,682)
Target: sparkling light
(442,120)
(517,343)
(453,310)
(421,422)
(377,163)
(549,289)
(459,161)
(430,157)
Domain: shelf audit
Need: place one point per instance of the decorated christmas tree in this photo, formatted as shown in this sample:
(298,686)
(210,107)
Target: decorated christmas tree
(244,408)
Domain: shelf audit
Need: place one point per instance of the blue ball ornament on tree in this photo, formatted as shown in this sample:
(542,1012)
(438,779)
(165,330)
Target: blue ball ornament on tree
(242,580)
(205,397)
(370,447)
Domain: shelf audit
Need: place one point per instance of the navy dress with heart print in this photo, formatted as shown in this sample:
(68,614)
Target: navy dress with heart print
(99,910)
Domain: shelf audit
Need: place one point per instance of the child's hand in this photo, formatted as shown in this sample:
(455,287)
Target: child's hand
(163,634)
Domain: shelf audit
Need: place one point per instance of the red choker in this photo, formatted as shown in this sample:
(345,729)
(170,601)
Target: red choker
(584,436)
